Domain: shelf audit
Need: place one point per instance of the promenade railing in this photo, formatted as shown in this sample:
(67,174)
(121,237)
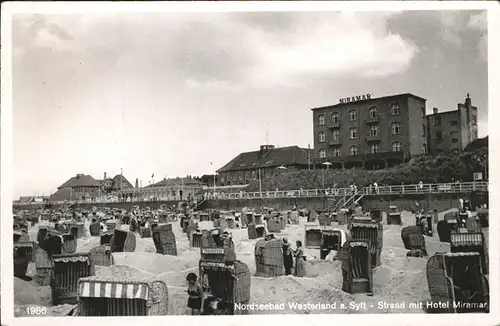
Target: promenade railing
(435,188)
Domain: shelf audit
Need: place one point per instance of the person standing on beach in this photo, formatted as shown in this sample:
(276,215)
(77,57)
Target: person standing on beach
(195,293)
(300,270)
(287,257)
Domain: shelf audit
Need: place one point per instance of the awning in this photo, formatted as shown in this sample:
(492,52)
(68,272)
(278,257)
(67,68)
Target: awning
(209,264)
(466,239)
(358,244)
(72,259)
(113,290)
(364,225)
(216,251)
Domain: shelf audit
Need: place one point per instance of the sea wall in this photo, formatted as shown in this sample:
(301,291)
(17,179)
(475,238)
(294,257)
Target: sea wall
(441,202)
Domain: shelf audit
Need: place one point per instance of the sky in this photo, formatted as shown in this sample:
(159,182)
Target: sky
(178,94)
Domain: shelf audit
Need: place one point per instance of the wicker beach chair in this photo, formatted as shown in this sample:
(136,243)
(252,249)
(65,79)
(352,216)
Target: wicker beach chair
(393,216)
(95,229)
(376,215)
(229,283)
(122,241)
(444,228)
(196,238)
(269,258)
(106,238)
(133,296)
(164,240)
(68,268)
(70,241)
(405,233)
(101,255)
(457,278)
(44,267)
(252,232)
(371,232)
(471,242)
(274,225)
(483,216)
(357,272)
(23,255)
(313,236)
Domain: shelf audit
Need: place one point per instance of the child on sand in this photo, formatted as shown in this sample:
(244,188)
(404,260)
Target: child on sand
(196,295)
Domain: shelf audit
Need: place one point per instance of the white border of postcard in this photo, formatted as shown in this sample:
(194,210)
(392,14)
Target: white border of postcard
(7,307)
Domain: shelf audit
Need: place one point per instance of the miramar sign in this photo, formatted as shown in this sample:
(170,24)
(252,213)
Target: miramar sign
(355,98)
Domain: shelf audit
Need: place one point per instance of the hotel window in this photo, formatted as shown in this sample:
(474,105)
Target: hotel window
(336,151)
(396,146)
(322,153)
(353,150)
(423,131)
(396,126)
(373,130)
(352,115)
(395,109)
(353,133)
(336,135)
(437,120)
(424,148)
(321,137)
(439,136)
(372,112)
(321,120)
(454,123)
(335,117)
(374,148)
(423,113)
(254,175)
(473,120)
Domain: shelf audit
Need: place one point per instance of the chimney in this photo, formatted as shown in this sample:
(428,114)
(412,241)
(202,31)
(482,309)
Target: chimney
(435,110)
(264,149)
(104,175)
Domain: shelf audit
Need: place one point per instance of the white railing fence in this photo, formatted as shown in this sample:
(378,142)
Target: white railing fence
(435,188)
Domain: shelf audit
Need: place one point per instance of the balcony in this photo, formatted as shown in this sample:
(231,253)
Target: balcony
(334,125)
(335,142)
(373,138)
(372,119)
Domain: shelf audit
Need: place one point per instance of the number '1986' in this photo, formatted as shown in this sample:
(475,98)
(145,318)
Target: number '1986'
(36,310)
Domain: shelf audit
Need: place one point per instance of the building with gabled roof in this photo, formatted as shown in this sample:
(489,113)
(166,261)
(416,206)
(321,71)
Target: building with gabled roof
(246,166)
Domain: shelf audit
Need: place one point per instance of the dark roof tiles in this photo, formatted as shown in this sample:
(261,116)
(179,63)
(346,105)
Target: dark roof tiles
(290,155)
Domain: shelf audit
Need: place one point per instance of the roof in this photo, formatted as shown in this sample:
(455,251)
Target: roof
(369,100)
(175,181)
(120,182)
(65,193)
(291,155)
(80,180)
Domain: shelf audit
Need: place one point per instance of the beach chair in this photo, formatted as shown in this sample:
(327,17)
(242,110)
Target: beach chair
(122,241)
(229,283)
(371,232)
(164,240)
(269,258)
(68,268)
(457,282)
(313,236)
(471,242)
(393,216)
(131,296)
(357,272)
